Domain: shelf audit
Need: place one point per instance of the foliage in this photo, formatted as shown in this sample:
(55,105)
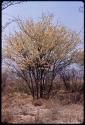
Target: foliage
(79,57)
(38,49)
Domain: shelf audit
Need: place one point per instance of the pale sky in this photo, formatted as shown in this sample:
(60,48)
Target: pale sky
(66,13)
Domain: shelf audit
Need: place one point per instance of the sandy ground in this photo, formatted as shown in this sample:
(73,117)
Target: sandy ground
(20,108)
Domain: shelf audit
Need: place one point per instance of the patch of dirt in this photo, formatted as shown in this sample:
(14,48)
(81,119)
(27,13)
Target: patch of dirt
(20,108)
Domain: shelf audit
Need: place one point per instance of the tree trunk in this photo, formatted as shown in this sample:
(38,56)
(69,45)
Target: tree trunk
(41,90)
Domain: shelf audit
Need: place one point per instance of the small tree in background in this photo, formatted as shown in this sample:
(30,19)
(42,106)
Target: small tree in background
(39,49)
(71,80)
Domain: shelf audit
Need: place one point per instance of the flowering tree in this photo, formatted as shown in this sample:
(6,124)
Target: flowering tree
(39,49)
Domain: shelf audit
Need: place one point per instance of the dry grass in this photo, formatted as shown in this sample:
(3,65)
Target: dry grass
(7,117)
(19,107)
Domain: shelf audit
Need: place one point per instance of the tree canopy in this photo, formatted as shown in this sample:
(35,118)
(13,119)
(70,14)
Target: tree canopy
(40,47)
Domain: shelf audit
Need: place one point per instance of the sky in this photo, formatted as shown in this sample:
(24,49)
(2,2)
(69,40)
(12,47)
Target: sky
(66,13)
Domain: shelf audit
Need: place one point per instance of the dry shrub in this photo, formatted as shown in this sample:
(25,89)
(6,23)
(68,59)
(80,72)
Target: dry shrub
(73,95)
(15,86)
(77,85)
(72,80)
(9,87)
(67,97)
(21,87)
(38,102)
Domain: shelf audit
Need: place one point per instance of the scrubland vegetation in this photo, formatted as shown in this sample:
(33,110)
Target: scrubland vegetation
(63,106)
(37,86)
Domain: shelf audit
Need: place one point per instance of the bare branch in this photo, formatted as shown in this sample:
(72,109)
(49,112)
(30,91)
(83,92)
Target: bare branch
(6,4)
